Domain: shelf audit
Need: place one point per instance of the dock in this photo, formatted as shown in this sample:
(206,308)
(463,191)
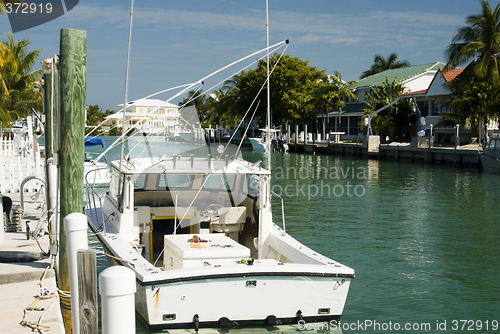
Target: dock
(22,282)
(419,152)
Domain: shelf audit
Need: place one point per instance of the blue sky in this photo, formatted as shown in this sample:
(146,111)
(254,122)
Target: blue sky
(180,41)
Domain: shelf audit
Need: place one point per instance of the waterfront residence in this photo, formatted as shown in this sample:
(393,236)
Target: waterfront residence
(431,103)
(154,115)
(348,120)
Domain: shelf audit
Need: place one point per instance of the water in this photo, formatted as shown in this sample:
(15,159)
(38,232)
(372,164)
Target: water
(424,240)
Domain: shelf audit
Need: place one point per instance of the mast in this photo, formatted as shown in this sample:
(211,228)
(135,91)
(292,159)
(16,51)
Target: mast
(268,93)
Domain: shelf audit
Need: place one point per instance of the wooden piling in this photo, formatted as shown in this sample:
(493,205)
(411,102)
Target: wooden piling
(87,290)
(73,70)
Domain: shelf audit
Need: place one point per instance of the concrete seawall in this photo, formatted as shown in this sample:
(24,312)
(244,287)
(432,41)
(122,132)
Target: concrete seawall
(467,155)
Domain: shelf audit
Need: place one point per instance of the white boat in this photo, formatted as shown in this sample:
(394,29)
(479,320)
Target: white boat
(95,173)
(200,236)
(490,156)
(260,144)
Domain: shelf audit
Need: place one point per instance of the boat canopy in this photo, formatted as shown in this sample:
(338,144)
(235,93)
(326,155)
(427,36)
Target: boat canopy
(94,141)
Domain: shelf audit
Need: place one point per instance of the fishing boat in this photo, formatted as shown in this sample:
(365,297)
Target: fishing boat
(490,156)
(261,144)
(200,236)
(198,231)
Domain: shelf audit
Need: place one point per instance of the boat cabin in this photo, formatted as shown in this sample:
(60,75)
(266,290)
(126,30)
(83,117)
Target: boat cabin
(165,202)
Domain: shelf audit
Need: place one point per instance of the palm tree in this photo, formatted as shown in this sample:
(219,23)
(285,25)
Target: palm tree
(16,80)
(478,44)
(381,64)
(392,121)
(3,4)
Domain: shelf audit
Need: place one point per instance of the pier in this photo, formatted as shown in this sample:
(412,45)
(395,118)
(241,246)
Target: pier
(418,151)
(27,284)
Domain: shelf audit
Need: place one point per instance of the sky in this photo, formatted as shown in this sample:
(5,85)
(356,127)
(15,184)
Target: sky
(175,42)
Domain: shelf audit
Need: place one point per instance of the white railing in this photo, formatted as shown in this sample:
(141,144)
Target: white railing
(19,159)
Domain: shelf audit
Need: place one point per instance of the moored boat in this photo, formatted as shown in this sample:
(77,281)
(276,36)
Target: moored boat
(490,157)
(200,236)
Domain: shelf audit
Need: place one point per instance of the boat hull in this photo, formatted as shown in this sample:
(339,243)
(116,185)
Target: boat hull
(241,299)
(490,163)
(258,145)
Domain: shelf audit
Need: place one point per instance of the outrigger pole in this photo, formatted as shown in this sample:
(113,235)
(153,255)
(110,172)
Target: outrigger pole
(126,82)
(268,92)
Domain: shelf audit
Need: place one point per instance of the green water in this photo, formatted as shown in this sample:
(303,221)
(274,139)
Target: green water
(424,240)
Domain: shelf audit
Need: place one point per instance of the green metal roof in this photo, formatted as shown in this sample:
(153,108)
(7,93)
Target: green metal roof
(400,74)
(350,108)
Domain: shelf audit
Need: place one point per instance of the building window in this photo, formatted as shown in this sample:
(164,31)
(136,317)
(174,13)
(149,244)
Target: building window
(423,106)
(354,125)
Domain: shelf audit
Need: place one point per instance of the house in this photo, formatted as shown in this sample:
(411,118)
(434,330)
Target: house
(431,105)
(152,114)
(348,120)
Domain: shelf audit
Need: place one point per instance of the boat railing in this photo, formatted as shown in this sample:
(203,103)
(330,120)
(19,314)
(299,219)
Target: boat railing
(282,209)
(92,195)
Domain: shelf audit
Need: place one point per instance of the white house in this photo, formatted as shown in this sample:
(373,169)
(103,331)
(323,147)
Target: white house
(152,114)
(431,105)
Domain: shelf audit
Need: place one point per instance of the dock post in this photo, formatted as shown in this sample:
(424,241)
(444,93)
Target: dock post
(75,225)
(50,98)
(305,135)
(73,82)
(87,291)
(296,137)
(117,288)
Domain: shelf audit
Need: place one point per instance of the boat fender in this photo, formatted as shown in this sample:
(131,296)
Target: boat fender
(250,261)
(196,322)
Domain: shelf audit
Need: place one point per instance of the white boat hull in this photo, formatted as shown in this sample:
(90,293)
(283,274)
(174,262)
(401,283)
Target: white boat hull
(239,297)
(258,145)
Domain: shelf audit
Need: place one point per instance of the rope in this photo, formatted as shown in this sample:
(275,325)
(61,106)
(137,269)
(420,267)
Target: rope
(40,246)
(43,295)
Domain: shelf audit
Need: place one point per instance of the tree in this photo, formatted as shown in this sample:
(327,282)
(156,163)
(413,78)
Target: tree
(291,95)
(392,121)
(381,64)
(16,80)
(197,99)
(330,94)
(94,115)
(3,5)
(474,106)
(478,45)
